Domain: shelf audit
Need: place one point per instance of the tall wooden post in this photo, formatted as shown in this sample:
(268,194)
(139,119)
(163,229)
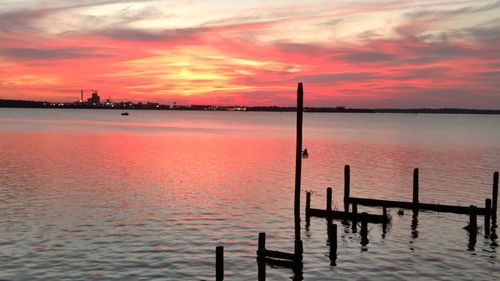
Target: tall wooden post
(415,190)
(347,187)
(219,263)
(298,249)
(494,199)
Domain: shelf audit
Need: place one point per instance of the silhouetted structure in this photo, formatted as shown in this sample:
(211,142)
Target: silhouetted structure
(93,104)
(277,258)
(488,211)
(294,261)
(95,99)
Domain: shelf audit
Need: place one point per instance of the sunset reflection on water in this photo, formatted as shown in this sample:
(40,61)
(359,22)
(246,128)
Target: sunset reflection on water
(95,196)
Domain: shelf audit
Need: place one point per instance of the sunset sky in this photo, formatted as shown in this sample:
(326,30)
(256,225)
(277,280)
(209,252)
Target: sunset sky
(374,53)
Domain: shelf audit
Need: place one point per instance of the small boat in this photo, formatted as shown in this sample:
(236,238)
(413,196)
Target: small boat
(124,113)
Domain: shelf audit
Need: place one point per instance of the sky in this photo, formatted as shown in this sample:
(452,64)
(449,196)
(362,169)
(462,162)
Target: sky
(373,53)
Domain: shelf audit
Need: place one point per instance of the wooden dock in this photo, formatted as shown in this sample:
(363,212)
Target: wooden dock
(441,208)
(340,215)
(415,205)
(294,260)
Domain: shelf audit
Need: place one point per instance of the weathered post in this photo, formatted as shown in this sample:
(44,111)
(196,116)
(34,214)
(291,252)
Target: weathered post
(329,200)
(219,263)
(262,271)
(261,250)
(298,247)
(347,187)
(487,217)
(332,237)
(354,215)
(415,190)
(414,226)
(472,240)
(308,208)
(384,225)
(472,226)
(494,199)
(364,229)
(261,259)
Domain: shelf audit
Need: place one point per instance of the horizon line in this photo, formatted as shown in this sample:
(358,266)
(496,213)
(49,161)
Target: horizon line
(262,106)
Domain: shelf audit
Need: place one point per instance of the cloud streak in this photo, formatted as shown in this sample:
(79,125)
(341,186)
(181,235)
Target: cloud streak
(47,54)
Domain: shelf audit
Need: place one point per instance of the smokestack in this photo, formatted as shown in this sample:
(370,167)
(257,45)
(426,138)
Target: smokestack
(81,95)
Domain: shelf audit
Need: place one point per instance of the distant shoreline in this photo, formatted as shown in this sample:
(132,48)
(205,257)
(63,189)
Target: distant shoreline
(156,106)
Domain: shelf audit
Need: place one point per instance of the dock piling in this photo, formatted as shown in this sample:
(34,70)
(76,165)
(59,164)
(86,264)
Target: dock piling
(384,225)
(472,226)
(219,263)
(487,217)
(329,199)
(298,249)
(415,190)
(494,199)
(347,186)
(261,271)
(308,208)
(332,238)
(262,246)
(364,229)
(261,259)
(354,221)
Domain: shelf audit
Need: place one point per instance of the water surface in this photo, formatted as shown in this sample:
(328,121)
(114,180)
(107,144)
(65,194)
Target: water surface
(93,195)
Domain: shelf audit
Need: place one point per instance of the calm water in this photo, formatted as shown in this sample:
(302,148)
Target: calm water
(92,195)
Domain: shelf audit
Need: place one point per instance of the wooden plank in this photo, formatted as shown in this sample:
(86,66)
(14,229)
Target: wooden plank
(381,203)
(280,263)
(279,255)
(450,209)
(338,215)
(409,205)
